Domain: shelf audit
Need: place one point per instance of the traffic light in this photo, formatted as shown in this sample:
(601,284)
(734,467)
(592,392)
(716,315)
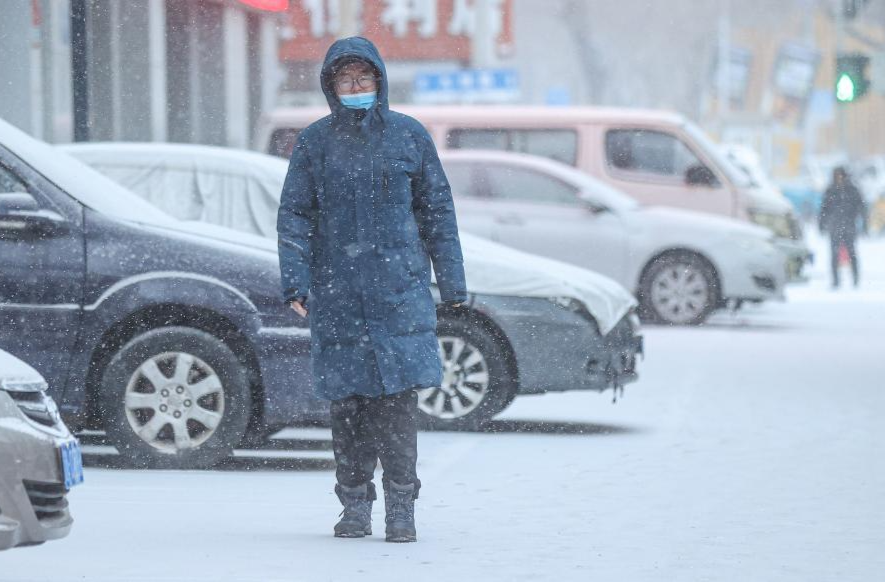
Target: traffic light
(850,8)
(851,77)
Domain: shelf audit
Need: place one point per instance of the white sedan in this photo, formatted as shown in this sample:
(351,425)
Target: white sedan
(681,265)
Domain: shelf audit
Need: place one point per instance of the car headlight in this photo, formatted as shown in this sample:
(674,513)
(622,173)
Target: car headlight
(27,384)
(29,394)
(575,306)
(635,324)
(754,245)
(780,224)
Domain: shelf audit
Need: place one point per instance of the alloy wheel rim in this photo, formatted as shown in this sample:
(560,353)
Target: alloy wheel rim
(465,381)
(174,402)
(680,293)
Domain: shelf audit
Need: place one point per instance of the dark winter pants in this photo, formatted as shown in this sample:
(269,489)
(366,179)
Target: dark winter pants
(835,243)
(365,429)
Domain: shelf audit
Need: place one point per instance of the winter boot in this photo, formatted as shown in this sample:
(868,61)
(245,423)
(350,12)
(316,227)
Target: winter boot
(399,505)
(356,518)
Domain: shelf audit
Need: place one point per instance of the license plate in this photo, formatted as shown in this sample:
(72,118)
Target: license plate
(71,463)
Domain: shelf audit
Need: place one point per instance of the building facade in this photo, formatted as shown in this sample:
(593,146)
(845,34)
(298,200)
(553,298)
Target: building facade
(197,71)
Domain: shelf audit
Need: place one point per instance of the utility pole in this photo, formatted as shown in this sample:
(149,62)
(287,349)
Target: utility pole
(483,41)
(840,109)
(347,17)
(723,88)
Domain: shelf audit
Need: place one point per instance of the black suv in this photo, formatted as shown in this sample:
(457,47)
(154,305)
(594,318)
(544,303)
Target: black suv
(170,335)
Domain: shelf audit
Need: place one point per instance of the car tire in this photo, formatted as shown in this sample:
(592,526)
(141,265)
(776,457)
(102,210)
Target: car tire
(477,382)
(678,289)
(175,398)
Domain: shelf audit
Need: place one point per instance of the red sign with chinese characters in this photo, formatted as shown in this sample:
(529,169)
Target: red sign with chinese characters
(402,29)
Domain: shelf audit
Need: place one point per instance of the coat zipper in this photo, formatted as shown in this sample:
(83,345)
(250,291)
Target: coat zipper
(384,184)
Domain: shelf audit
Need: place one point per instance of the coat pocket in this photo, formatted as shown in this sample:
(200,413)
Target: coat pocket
(396,180)
(402,269)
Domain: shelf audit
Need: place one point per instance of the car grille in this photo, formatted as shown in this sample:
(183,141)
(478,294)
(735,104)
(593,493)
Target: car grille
(37,406)
(618,358)
(47,499)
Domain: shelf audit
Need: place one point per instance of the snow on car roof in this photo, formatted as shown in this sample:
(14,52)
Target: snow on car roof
(192,156)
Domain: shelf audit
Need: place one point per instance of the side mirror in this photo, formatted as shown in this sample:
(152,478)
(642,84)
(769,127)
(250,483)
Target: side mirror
(593,205)
(15,202)
(700,176)
(20,214)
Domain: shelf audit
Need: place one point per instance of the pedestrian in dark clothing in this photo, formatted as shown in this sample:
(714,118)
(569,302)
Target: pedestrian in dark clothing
(365,208)
(841,210)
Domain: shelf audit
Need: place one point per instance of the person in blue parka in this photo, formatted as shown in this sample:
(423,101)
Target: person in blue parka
(365,209)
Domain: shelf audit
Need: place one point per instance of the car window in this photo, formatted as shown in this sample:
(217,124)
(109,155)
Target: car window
(9,182)
(559,145)
(648,152)
(521,184)
(481,139)
(556,144)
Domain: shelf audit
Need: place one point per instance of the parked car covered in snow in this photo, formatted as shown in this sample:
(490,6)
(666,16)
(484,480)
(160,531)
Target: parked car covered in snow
(681,265)
(222,186)
(502,344)
(39,459)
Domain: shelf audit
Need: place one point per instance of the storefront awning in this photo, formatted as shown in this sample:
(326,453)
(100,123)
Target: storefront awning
(272,5)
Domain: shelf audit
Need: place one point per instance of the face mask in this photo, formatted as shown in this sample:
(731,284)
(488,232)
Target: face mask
(359,100)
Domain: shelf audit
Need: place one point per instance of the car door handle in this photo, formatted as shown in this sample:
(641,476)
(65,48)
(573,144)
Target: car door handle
(509,219)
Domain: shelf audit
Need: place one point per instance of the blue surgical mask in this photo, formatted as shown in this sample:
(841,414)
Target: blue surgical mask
(359,100)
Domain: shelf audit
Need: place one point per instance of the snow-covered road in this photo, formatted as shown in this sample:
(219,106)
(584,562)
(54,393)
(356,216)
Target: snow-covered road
(752,449)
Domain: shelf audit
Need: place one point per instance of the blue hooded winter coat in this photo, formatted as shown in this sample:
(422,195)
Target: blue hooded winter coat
(364,210)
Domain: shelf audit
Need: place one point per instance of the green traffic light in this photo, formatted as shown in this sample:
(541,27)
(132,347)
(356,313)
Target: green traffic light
(845,89)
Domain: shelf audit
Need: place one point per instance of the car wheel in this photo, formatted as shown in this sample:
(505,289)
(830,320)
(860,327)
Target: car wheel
(175,397)
(679,290)
(477,383)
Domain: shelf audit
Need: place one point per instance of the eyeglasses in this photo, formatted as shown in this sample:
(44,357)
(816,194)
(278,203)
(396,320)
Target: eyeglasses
(347,83)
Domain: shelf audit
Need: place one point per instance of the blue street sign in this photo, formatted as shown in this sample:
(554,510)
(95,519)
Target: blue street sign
(467,85)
